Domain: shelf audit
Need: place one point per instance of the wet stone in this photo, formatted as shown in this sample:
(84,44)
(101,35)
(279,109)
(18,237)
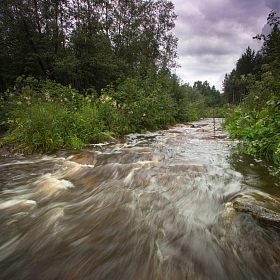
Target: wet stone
(263,207)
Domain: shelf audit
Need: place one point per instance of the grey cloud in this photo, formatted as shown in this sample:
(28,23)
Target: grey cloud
(266,29)
(214,34)
(244,12)
(206,46)
(273,5)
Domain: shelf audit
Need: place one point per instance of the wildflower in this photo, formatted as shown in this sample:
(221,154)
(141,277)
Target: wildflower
(47,96)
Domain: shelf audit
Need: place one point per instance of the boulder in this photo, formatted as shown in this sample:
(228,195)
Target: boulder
(263,207)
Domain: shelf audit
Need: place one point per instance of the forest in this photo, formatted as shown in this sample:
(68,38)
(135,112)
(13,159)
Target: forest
(78,72)
(253,90)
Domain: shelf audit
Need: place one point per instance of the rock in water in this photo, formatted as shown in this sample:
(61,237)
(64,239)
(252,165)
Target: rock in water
(262,206)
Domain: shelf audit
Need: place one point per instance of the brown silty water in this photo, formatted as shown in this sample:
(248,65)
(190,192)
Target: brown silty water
(158,206)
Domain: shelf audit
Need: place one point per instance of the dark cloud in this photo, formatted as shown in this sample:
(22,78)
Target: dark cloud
(273,5)
(206,45)
(214,34)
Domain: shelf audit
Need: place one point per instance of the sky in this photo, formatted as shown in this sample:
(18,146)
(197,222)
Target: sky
(213,34)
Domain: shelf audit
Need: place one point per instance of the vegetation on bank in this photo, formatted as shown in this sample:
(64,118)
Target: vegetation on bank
(41,115)
(253,88)
(78,72)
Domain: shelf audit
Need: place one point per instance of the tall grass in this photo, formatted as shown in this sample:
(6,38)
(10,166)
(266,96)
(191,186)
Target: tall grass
(50,116)
(41,116)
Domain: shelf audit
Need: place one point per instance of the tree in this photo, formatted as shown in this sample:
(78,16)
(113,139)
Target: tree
(86,43)
(257,119)
(212,96)
(236,83)
(271,46)
(35,34)
(141,35)
(246,63)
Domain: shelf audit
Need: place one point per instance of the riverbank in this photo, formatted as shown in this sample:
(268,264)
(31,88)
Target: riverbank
(203,128)
(9,149)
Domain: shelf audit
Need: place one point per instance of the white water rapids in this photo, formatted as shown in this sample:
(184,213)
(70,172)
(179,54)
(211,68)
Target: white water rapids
(158,206)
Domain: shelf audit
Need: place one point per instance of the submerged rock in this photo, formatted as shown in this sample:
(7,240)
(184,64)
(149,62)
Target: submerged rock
(263,207)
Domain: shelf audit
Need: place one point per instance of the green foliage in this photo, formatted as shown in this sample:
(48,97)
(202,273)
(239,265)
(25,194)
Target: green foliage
(85,43)
(239,123)
(257,119)
(213,97)
(44,116)
(144,103)
(236,84)
(116,55)
(41,115)
(191,106)
(218,112)
(3,114)
(259,128)
(260,134)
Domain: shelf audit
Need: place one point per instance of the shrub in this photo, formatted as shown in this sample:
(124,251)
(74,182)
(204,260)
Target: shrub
(259,130)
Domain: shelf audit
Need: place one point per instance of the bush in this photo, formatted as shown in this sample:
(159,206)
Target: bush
(144,104)
(259,130)
(42,116)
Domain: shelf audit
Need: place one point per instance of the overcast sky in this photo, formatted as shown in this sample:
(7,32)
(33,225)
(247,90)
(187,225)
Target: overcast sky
(213,34)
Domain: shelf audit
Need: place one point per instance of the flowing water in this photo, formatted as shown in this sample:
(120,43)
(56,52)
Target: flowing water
(157,206)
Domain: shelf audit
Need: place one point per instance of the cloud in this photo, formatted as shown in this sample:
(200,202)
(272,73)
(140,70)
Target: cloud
(211,45)
(273,5)
(214,34)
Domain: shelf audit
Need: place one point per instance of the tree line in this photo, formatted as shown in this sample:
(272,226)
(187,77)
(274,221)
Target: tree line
(254,87)
(253,66)
(85,43)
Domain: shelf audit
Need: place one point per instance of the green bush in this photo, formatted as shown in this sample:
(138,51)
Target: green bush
(144,104)
(258,130)
(41,116)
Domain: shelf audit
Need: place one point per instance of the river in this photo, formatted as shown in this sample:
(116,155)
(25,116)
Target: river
(160,205)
